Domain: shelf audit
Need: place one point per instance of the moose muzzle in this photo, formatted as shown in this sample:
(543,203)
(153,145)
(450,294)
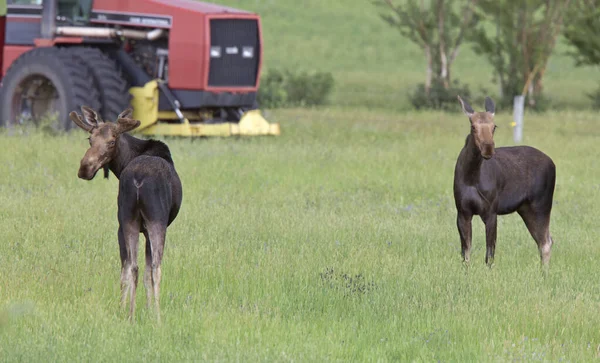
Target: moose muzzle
(88,167)
(488,150)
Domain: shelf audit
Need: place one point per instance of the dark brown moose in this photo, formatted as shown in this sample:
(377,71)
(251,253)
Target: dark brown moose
(149,198)
(489,182)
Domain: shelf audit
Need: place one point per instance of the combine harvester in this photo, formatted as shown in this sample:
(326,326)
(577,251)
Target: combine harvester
(188,68)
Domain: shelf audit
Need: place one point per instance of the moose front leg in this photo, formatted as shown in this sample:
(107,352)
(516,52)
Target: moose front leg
(490,222)
(463,221)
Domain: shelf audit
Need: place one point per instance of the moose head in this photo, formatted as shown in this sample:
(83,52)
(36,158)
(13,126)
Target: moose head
(482,126)
(104,139)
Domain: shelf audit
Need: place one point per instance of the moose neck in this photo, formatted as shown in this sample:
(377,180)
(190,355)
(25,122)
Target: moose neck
(470,161)
(128,148)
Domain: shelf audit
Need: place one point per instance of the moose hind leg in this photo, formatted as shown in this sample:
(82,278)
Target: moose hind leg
(538,224)
(463,222)
(148,272)
(129,276)
(124,269)
(157,233)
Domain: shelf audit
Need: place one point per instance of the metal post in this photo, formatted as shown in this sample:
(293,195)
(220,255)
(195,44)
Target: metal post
(518,109)
(48,18)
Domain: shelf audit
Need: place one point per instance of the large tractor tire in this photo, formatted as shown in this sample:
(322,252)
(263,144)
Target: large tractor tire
(111,85)
(44,85)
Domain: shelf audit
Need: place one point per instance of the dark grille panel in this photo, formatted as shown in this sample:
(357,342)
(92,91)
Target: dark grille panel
(231,37)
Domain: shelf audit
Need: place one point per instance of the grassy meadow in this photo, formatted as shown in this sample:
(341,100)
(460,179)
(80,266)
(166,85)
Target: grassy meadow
(335,241)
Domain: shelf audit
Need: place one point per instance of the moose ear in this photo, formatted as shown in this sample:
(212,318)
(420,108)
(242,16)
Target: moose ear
(126,113)
(489,106)
(467,109)
(78,120)
(126,124)
(91,116)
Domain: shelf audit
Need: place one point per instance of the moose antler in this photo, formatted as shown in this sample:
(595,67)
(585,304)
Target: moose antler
(125,122)
(127,113)
(79,121)
(91,116)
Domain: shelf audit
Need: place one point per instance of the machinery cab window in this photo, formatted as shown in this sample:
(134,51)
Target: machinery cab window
(67,11)
(74,10)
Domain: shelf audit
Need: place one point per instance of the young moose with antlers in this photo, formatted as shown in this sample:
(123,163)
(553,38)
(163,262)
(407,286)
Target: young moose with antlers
(150,194)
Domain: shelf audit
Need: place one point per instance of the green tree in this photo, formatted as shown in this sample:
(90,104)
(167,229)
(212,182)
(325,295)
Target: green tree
(582,29)
(519,46)
(439,27)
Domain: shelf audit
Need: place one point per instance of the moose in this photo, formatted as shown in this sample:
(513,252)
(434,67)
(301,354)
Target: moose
(150,195)
(491,181)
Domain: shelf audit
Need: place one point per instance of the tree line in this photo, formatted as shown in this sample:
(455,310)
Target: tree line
(517,37)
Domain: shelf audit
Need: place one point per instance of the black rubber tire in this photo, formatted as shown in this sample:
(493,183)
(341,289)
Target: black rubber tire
(108,79)
(69,76)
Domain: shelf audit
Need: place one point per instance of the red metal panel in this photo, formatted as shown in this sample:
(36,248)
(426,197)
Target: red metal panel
(201,7)
(41,42)
(12,52)
(188,51)
(23,19)
(176,5)
(186,43)
(2,35)
(189,38)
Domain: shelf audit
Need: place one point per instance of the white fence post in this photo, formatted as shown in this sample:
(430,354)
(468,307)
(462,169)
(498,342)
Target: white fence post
(518,108)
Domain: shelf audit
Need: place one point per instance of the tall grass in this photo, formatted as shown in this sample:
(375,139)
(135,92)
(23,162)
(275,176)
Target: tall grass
(334,241)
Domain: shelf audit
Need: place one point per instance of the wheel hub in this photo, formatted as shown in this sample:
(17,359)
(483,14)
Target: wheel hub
(35,101)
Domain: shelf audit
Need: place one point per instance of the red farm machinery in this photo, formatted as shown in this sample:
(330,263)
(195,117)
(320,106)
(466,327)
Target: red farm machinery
(187,68)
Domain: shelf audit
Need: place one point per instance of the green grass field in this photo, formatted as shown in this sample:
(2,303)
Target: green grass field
(373,65)
(335,241)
